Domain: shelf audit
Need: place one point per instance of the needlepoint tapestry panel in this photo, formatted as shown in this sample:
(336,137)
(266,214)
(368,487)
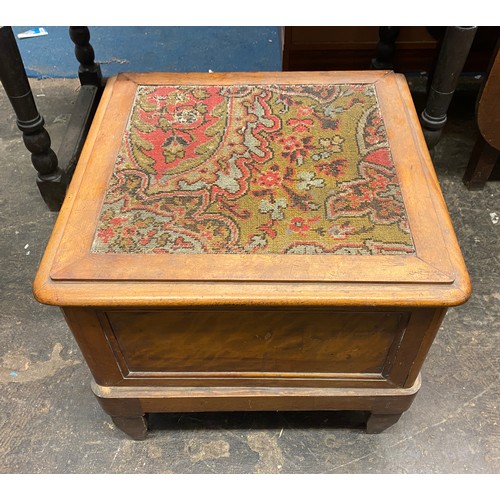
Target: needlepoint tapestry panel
(270,169)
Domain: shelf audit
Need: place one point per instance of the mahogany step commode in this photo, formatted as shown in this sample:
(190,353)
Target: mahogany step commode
(254,241)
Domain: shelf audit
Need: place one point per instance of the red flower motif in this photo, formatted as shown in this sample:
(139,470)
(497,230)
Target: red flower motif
(304,110)
(269,179)
(299,225)
(300,125)
(116,221)
(290,143)
(106,234)
(294,147)
(129,231)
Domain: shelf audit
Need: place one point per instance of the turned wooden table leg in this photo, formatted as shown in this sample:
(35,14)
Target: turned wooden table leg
(89,71)
(51,179)
(86,103)
(378,422)
(452,56)
(385,47)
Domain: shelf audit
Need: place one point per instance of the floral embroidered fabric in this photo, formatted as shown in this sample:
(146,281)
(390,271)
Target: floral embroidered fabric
(302,169)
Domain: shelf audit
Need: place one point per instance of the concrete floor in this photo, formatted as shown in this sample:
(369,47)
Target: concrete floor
(50,422)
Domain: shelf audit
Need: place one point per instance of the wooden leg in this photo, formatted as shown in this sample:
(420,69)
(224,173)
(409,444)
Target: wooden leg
(385,47)
(89,71)
(481,163)
(51,179)
(127,414)
(452,56)
(135,427)
(378,422)
(86,104)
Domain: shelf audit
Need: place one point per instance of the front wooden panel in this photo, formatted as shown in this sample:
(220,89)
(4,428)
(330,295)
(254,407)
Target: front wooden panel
(252,341)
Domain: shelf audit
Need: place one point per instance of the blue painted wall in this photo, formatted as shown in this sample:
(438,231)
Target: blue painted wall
(166,48)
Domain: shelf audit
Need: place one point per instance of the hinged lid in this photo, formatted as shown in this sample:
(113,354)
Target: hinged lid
(197,188)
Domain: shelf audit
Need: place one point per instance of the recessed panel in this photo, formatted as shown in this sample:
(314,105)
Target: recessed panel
(255,341)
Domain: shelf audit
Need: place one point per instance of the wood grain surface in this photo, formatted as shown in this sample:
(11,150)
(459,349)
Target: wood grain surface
(254,332)
(71,275)
(255,341)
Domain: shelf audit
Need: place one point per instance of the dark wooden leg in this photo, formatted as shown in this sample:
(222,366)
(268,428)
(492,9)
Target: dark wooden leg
(452,56)
(378,422)
(86,103)
(385,47)
(481,163)
(51,179)
(89,71)
(135,427)
(127,414)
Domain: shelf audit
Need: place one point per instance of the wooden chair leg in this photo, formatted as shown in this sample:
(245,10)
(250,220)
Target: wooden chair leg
(50,179)
(481,163)
(86,103)
(89,71)
(385,47)
(452,56)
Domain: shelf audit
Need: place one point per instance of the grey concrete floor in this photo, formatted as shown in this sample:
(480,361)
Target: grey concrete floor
(50,422)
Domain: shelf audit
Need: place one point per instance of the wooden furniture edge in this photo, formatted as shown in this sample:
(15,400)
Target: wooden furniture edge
(63,216)
(189,294)
(462,278)
(252,78)
(82,293)
(129,408)
(155,392)
(269,268)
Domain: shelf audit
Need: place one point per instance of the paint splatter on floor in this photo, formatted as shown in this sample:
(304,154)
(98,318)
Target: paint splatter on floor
(270,454)
(200,451)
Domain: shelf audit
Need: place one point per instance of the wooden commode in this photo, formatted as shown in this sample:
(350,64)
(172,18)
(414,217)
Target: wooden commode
(254,241)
